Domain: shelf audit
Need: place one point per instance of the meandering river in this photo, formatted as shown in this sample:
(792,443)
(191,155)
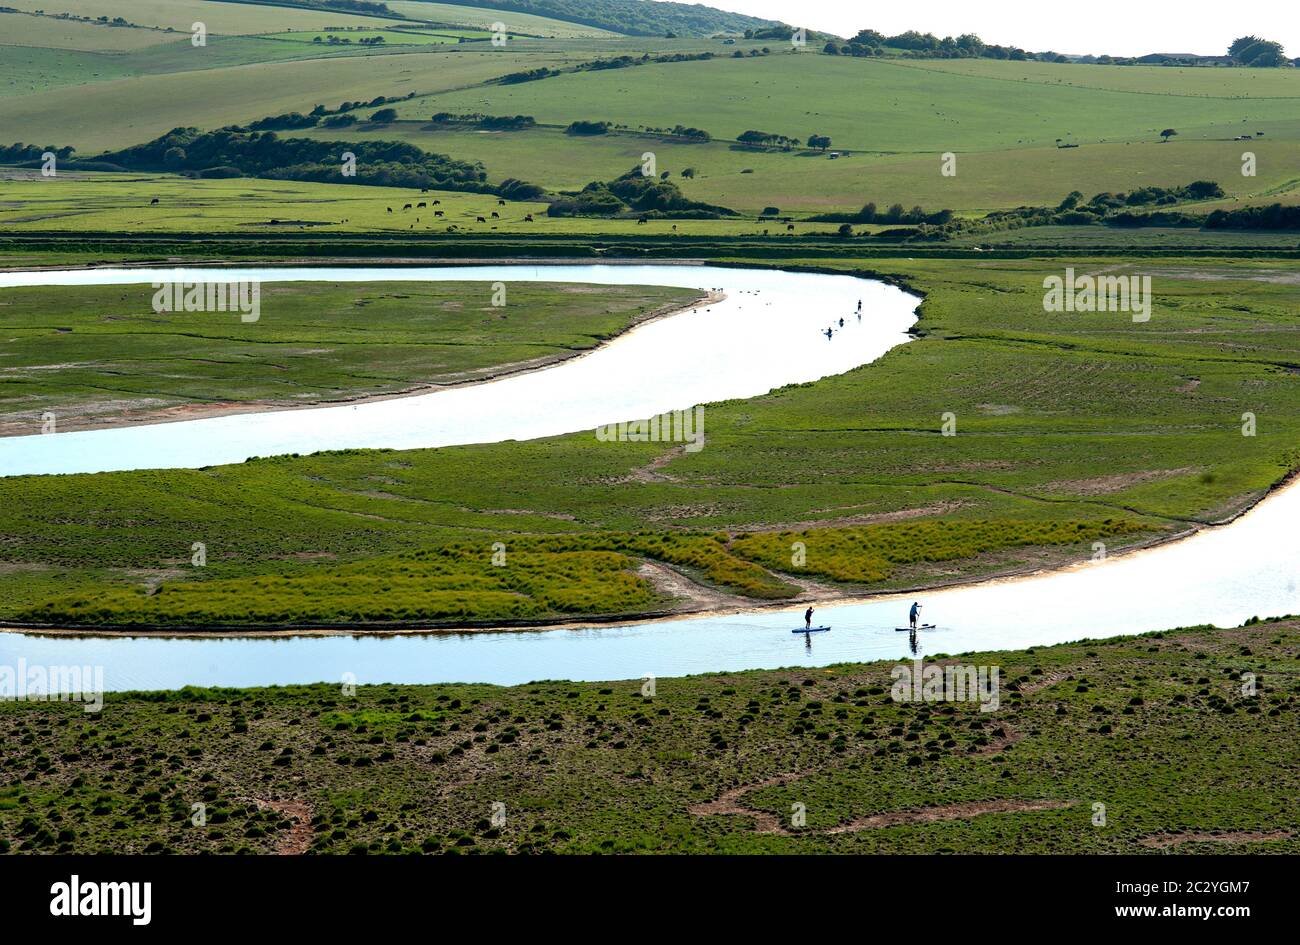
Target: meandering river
(763,336)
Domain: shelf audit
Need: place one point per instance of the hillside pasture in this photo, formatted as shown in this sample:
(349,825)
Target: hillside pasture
(865,104)
(228,18)
(483,18)
(22,29)
(122,112)
(811,182)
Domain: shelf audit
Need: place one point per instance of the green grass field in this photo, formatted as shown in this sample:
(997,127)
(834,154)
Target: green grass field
(891,119)
(92,118)
(483,18)
(807,182)
(390,37)
(1155,728)
(99,355)
(48,31)
(92,201)
(180,15)
(874,105)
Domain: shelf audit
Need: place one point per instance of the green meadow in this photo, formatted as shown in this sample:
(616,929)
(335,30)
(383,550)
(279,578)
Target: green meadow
(805,182)
(93,202)
(890,120)
(483,18)
(123,112)
(875,105)
(180,15)
(96,355)
(389,37)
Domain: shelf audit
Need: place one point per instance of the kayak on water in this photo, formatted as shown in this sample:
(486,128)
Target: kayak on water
(924,626)
(811,630)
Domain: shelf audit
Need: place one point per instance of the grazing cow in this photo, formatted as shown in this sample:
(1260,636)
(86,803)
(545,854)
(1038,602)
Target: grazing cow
(501,203)
(528,218)
(495,215)
(407,207)
(437,202)
(640,220)
(421,205)
(424,190)
(789,227)
(154,201)
(390,209)
(437,213)
(479,220)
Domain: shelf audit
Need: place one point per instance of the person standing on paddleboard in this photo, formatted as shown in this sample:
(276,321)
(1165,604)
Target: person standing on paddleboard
(807,618)
(914,613)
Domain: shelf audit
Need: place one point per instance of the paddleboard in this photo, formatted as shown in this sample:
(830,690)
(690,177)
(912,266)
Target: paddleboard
(924,626)
(811,630)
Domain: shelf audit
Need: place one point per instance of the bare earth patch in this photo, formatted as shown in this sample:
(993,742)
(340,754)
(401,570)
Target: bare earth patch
(927,815)
(296,840)
(1102,485)
(1161,842)
(867,518)
(766,822)
(690,594)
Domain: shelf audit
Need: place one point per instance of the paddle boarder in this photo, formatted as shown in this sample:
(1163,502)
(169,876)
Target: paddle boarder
(914,613)
(807,618)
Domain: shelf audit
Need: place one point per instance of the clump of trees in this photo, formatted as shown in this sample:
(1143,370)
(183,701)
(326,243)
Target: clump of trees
(928,46)
(266,154)
(692,135)
(285,121)
(1273,217)
(1256,52)
(635,192)
(487,122)
(896,214)
(528,75)
(587,128)
(22,153)
(767,139)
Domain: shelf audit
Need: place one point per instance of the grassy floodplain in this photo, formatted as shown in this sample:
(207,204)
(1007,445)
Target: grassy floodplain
(1076,420)
(101,355)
